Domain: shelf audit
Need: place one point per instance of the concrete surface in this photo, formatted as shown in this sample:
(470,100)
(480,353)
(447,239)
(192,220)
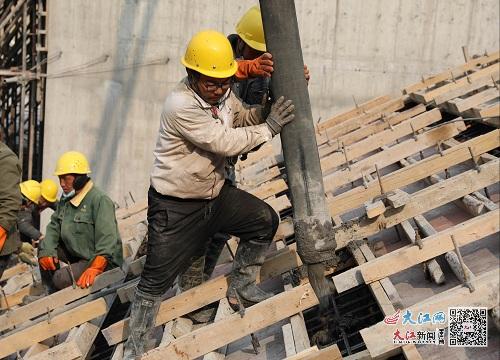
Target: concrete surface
(120,58)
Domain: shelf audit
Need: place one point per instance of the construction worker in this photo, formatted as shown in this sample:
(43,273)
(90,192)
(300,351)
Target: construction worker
(202,123)
(48,195)
(10,198)
(82,232)
(255,67)
(30,235)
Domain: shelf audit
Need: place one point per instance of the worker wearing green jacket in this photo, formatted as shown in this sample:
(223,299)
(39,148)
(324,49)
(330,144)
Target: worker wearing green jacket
(82,231)
(10,198)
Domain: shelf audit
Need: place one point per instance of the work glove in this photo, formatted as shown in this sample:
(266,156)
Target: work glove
(48,263)
(259,67)
(96,268)
(281,114)
(3,237)
(27,254)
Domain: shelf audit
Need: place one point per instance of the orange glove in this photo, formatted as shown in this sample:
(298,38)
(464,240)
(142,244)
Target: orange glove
(89,275)
(3,237)
(260,67)
(48,263)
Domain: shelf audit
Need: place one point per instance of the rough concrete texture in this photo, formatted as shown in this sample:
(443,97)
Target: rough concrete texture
(120,58)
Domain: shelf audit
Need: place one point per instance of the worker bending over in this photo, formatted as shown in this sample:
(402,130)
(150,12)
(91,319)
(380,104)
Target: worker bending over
(82,232)
(202,123)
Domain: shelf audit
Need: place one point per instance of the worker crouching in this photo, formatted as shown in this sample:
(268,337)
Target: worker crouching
(189,201)
(82,232)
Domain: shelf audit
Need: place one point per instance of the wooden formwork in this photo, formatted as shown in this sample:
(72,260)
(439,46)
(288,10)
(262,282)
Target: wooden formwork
(372,157)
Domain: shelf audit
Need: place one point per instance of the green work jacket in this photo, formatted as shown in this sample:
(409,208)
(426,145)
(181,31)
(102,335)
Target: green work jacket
(10,198)
(86,225)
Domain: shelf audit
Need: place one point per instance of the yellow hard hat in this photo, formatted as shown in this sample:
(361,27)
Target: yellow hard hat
(72,162)
(210,53)
(251,30)
(31,190)
(49,190)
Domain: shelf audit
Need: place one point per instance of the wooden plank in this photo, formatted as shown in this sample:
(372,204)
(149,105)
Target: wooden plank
(57,325)
(356,197)
(458,105)
(250,182)
(337,119)
(421,202)
(14,270)
(17,297)
(426,97)
(34,350)
(374,209)
(435,245)
(331,352)
(269,189)
(288,340)
(386,283)
(57,300)
(281,203)
(456,72)
(223,311)
(370,129)
(234,327)
(378,338)
(266,150)
(392,155)
(351,125)
(397,198)
(467,88)
(204,294)
(66,351)
(374,142)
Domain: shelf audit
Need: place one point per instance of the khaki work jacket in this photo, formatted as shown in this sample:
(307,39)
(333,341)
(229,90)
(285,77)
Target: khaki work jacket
(194,141)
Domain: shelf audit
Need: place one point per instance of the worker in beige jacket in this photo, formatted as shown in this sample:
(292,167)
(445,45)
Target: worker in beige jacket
(202,123)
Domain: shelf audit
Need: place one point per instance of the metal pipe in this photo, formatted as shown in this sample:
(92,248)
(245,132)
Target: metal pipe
(312,221)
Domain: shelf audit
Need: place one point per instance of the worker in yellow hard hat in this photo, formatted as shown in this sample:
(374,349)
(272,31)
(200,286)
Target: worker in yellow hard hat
(202,123)
(255,67)
(48,195)
(83,230)
(29,233)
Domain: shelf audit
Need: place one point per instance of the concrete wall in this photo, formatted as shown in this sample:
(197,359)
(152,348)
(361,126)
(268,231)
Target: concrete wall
(120,58)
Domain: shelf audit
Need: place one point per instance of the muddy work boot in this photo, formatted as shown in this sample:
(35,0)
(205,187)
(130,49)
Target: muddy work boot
(142,319)
(191,278)
(242,281)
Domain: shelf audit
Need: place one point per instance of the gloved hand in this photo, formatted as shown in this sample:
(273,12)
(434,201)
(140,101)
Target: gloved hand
(96,268)
(280,115)
(259,67)
(27,254)
(3,237)
(48,262)
(307,75)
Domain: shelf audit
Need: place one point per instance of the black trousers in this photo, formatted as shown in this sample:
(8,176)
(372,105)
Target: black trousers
(179,230)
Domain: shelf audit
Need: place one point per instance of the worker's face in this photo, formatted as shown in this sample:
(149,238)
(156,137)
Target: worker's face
(246,52)
(213,89)
(43,203)
(66,182)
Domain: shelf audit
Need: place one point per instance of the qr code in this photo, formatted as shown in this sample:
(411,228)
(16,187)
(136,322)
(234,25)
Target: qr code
(468,326)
